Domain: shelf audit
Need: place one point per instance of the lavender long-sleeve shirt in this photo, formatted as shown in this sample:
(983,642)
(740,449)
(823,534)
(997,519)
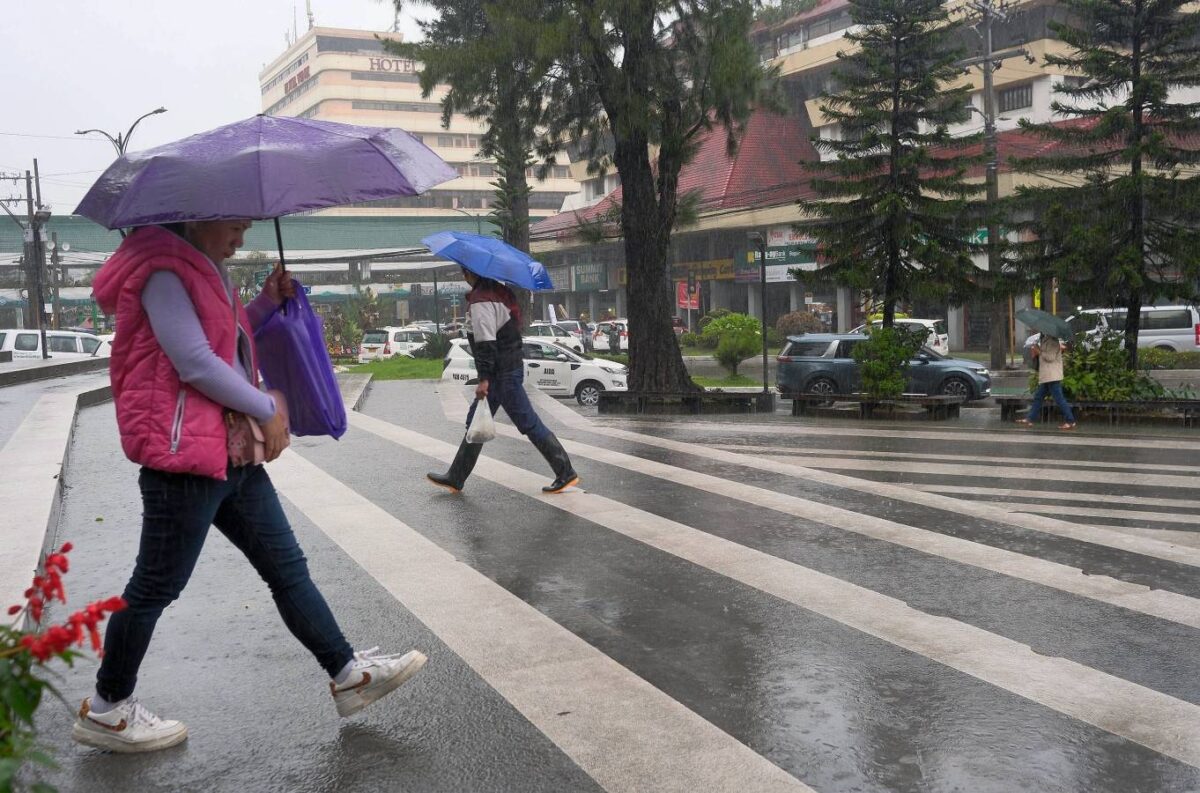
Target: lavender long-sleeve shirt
(177,327)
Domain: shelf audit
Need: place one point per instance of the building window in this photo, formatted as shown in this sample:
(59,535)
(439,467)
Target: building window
(1016,98)
(305,86)
(286,72)
(385,77)
(347,44)
(410,107)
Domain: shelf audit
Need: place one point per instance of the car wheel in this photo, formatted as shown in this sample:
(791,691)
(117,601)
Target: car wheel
(588,393)
(956,386)
(823,386)
(1165,348)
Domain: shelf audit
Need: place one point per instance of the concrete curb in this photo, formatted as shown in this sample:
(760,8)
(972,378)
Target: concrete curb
(31,490)
(48,371)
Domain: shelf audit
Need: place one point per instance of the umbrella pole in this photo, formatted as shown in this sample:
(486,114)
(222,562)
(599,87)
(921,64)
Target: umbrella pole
(279,242)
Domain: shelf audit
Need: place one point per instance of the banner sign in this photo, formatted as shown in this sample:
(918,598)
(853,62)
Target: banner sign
(684,298)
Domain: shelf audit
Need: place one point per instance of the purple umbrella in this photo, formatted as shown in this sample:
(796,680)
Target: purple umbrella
(262,168)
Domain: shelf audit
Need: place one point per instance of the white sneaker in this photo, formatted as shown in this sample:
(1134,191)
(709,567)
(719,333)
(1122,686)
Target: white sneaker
(373,676)
(128,727)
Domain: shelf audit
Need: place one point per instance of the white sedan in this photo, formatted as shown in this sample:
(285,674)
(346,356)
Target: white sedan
(552,368)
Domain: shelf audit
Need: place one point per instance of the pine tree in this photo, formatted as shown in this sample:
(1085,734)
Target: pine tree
(484,51)
(1122,224)
(638,84)
(896,218)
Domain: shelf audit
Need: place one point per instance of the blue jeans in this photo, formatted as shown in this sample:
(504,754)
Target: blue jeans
(1039,396)
(177,512)
(507,390)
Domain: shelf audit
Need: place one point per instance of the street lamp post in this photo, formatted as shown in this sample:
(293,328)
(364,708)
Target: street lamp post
(121,142)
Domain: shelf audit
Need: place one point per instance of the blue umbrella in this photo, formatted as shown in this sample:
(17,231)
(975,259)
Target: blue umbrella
(489,257)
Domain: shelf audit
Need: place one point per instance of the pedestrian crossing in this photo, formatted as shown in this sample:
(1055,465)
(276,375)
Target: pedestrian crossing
(724,606)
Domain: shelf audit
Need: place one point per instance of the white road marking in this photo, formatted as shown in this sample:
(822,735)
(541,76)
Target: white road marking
(618,728)
(1158,721)
(1086,498)
(1094,512)
(1095,535)
(972,459)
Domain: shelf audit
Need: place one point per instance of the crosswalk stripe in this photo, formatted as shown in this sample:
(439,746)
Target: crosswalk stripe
(1158,721)
(618,728)
(1095,535)
(1018,436)
(1086,498)
(1030,473)
(1095,512)
(973,459)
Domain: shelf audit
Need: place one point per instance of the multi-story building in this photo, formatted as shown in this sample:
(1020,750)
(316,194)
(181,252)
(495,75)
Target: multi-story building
(343,75)
(715,250)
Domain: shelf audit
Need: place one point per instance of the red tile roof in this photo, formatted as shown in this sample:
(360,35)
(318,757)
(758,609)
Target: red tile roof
(766,168)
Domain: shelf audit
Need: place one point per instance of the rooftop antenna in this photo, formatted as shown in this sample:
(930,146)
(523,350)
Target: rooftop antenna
(308,8)
(295,29)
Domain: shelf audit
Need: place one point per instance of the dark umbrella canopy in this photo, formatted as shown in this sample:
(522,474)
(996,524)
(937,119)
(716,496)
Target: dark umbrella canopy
(262,168)
(1044,322)
(491,258)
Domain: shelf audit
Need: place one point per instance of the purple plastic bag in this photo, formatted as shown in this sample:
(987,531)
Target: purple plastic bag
(293,359)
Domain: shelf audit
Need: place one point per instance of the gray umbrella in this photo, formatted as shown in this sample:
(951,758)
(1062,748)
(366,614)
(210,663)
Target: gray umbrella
(1045,322)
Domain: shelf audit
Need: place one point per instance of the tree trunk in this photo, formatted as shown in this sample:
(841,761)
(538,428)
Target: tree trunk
(656,364)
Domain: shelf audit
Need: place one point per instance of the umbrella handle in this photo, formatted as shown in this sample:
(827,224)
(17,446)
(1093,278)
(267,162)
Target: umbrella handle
(279,242)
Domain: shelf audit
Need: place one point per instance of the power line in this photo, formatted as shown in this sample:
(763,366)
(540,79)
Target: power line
(48,137)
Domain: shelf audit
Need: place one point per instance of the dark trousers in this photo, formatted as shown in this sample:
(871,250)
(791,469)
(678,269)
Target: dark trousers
(1055,390)
(177,512)
(507,390)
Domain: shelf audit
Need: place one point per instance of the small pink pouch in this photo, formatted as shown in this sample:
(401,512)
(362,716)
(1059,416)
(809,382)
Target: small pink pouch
(244,439)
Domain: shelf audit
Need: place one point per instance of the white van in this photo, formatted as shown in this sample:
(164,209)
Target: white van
(63,344)
(1174,328)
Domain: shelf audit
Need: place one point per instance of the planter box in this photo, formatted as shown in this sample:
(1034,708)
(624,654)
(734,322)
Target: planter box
(1154,411)
(933,408)
(677,404)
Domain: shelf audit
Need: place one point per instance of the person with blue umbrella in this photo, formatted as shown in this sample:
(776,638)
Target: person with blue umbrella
(494,333)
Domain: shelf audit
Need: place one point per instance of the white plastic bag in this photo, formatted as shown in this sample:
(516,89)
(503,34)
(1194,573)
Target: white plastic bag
(482,428)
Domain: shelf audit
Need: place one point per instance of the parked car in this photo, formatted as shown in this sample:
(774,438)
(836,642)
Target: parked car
(555,333)
(27,343)
(600,335)
(938,338)
(390,341)
(822,363)
(551,367)
(1175,328)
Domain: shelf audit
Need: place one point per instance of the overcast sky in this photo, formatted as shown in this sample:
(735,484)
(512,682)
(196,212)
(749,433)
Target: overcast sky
(79,64)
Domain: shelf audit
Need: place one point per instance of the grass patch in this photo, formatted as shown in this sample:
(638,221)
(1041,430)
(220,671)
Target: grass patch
(738,381)
(401,367)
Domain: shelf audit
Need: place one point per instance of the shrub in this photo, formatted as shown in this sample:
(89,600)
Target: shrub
(436,348)
(1100,373)
(715,314)
(798,322)
(1168,359)
(883,359)
(735,337)
(774,337)
(689,340)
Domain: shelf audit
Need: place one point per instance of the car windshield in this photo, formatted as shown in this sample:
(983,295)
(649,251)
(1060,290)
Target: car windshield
(932,354)
(571,354)
(374,337)
(1081,323)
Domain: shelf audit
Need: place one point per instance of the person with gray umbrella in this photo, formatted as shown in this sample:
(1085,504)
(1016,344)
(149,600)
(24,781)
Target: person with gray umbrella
(1049,353)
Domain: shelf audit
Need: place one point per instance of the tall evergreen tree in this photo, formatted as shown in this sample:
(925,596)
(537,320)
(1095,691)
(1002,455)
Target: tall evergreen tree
(649,77)
(484,52)
(895,218)
(1125,223)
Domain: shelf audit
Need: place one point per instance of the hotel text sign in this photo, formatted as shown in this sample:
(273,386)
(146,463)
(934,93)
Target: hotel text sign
(394,65)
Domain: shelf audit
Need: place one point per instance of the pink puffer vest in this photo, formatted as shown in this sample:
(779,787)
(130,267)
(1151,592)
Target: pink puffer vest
(166,424)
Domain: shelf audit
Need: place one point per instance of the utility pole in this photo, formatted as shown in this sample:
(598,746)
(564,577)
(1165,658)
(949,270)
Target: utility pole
(998,310)
(35,261)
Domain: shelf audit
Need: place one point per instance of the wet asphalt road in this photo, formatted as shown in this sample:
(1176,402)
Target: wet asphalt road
(1020,604)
